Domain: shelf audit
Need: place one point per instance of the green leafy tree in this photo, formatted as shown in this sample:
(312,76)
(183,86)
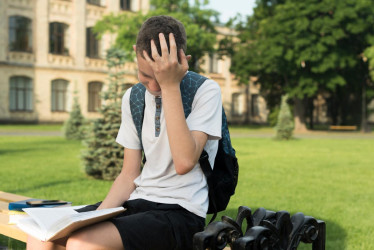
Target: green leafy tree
(197,19)
(285,125)
(73,125)
(304,47)
(103,157)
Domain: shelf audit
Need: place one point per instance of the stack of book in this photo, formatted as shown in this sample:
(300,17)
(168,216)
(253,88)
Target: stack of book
(49,220)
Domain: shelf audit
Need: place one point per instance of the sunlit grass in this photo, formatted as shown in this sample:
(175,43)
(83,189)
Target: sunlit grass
(329,179)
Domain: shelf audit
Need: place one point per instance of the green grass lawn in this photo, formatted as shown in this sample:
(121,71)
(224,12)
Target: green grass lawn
(329,179)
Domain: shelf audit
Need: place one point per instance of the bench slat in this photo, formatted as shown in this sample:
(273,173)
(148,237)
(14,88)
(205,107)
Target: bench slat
(11,231)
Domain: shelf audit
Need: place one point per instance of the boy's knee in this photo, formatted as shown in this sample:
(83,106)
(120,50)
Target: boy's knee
(79,240)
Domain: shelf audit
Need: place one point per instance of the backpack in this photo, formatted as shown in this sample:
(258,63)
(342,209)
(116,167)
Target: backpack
(222,180)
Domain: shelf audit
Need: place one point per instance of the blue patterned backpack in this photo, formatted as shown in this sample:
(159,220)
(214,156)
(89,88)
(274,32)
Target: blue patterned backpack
(223,178)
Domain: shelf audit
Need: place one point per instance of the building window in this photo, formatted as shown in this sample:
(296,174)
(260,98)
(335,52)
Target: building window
(94,100)
(94,2)
(92,44)
(57,34)
(20,93)
(255,105)
(213,63)
(237,104)
(125,4)
(20,34)
(59,95)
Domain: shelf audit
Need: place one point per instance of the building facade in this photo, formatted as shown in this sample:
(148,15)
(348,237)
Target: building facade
(49,54)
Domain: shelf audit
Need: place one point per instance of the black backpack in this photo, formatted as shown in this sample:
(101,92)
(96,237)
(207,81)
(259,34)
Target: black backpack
(223,178)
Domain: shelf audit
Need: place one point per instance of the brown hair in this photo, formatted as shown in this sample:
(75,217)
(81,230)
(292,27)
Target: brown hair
(160,24)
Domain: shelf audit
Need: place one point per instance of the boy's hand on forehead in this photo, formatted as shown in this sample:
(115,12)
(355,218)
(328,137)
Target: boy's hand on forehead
(166,68)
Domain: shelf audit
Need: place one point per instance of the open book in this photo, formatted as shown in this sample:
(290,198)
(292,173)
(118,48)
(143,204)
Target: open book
(49,224)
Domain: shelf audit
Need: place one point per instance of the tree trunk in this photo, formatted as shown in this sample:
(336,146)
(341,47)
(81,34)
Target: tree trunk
(363,109)
(247,101)
(310,112)
(299,115)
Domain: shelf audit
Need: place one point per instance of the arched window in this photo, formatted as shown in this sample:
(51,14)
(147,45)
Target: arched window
(94,100)
(92,44)
(125,4)
(20,34)
(59,95)
(20,94)
(57,35)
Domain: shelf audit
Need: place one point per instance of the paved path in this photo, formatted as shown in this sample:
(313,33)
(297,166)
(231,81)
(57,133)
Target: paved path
(30,133)
(309,134)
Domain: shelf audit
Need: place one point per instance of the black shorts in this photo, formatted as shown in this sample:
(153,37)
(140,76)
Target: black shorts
(149,225)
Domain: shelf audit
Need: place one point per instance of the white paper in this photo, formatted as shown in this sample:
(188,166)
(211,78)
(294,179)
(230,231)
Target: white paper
(47,217)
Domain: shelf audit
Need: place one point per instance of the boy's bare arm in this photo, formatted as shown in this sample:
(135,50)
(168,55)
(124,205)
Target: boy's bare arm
(186,146)
(124,184)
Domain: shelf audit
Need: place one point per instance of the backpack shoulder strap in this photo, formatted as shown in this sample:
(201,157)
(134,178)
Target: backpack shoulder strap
(137,105)
(189,86)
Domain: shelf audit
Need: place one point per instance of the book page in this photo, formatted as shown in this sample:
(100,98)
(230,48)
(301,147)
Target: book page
(29,226)
(47,217)
(80,220)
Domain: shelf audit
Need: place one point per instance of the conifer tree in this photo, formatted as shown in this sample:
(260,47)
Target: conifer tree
(285,125)
(73,125)
(103,157)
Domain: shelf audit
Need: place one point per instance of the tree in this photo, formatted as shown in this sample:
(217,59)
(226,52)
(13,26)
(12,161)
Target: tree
(198,21)
(103,157)
(73,125)
(285,125)
(304,47)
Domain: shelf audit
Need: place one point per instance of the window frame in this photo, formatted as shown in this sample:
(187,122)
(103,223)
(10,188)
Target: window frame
(92,44)
(125,5)
(20,34)
(59,87)
(24,92)
(57,34)
(94,98)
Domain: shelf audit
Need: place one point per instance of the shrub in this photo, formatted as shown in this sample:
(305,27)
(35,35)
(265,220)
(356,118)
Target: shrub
(103,157)
(73,126)
(285,125)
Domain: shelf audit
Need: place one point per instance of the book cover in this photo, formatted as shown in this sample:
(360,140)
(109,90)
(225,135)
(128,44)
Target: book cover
(19,205)
(48,224)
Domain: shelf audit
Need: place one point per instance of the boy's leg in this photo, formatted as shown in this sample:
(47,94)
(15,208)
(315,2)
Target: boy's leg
(99,236)
(35,244)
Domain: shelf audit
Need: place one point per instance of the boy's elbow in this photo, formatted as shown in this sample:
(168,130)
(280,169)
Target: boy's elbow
(183,167)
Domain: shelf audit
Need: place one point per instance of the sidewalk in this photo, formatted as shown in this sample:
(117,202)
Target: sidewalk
(30,133)
(308,134)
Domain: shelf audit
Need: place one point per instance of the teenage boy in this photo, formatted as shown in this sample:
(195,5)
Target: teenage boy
(167,201)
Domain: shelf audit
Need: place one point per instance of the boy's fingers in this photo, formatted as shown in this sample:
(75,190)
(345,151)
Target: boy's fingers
(154,51)
(184,61)
(163,45)
(146,56)
(188,57)
(173,46)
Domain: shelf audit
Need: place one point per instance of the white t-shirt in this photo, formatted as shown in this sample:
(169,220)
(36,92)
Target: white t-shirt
(158,181)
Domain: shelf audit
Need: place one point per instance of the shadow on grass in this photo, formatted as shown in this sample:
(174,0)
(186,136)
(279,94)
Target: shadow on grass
(11,244)
(44,185)
(335,234)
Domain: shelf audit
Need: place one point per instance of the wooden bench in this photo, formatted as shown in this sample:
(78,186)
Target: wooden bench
(343,127)
(11,231)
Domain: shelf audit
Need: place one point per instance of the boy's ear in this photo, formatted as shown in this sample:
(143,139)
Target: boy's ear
(134,47)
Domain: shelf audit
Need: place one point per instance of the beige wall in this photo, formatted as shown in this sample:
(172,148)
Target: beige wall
(43,67)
